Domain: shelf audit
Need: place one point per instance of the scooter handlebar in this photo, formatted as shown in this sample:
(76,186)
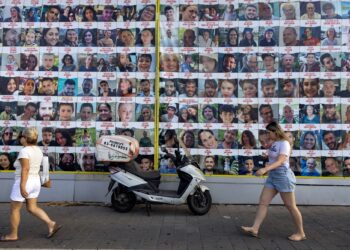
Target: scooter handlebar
(173,158)
(163,149)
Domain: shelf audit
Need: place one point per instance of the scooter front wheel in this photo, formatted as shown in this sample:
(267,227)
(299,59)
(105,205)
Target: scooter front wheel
(122,200)
(200,202)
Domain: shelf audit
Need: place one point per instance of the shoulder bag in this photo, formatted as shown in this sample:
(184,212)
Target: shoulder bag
(44,172)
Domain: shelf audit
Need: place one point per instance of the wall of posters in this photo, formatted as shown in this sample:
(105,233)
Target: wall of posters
(229,67)
(78,70)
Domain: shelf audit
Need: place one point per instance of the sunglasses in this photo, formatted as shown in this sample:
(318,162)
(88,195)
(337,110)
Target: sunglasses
(8,133)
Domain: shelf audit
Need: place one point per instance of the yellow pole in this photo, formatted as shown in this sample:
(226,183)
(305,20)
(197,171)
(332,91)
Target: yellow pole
(157,87)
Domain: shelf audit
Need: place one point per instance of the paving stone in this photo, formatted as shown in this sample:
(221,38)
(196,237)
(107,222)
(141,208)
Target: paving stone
(174,227)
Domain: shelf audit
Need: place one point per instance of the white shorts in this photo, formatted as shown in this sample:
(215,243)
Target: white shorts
(33,187)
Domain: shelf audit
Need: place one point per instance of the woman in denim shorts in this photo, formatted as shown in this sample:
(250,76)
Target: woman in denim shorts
(281,180)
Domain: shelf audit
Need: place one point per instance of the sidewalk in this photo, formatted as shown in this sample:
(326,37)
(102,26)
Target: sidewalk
(174,227)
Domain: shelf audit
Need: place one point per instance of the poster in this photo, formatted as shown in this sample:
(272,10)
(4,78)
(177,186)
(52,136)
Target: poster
(229,67)
(215,72)
(76,70)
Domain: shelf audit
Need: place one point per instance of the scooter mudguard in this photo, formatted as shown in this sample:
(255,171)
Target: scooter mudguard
(110,186)
(202,187)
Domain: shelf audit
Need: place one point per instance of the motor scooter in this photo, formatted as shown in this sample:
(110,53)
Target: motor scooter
(130,184)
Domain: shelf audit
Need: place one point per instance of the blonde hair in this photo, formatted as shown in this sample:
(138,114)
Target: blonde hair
(286,5)
(31,135)
(280,134)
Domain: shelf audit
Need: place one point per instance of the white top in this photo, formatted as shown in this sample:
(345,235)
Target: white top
(35,156)
(165,118)
(279,148)
(203,43)
(328,42)
(306,17)
(19,118)
(120,19)
(169,42)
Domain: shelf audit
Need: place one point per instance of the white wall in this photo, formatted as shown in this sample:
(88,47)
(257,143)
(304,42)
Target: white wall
(242,190)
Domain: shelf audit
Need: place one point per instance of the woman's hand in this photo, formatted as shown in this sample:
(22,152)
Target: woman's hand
(261,171)
(24,192)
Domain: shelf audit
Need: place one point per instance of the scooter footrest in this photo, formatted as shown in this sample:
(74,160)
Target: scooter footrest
(168,193)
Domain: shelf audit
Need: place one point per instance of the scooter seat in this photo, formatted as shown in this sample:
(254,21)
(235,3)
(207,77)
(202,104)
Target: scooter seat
(133,168)
(149,175)
(152,177)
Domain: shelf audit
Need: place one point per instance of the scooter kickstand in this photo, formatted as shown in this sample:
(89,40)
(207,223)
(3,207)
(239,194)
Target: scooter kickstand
(148,208)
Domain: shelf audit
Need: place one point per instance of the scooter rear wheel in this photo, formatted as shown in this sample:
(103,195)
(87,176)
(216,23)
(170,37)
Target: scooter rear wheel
(199,203)
(123,201)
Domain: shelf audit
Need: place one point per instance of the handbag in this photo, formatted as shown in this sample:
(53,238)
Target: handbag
(44,172)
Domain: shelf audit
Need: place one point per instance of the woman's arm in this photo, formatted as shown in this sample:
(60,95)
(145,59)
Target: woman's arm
(268,167)
(24,176)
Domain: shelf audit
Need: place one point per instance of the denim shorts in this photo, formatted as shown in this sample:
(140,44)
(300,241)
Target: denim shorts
(283,180)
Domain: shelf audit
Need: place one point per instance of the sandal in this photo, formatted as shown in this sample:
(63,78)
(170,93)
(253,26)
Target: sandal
(249,232)
(54,231)
(291,238)
(4,239)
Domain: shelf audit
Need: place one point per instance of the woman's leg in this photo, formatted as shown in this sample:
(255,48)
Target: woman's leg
(15,217)
(289,201)
(33,208)
(266,197)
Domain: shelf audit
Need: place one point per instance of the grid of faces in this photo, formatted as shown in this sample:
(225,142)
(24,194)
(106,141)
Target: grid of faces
(77,70)
(229,67)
